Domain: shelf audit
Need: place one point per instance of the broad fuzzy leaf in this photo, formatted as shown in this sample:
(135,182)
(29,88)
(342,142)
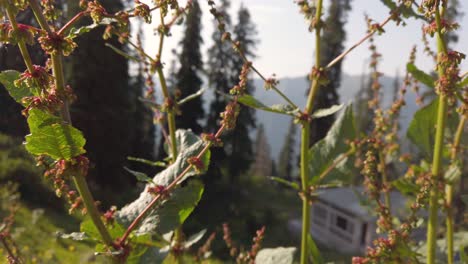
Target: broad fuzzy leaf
(50,136)
(250,101)
(421,76)
(278,255)
(325,151)
(7,78)
(422,128)
(182,201)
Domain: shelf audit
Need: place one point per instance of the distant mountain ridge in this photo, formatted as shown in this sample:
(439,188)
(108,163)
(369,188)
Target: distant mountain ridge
(276,125)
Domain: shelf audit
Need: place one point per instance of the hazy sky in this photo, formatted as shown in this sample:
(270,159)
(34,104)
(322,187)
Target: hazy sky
(286,46)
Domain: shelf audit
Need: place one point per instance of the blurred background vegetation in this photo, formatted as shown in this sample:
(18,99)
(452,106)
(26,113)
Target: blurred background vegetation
(117,124)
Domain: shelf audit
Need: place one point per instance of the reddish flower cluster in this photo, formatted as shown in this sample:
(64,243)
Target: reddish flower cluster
(212,139)
(142,10)
(320,75)
(53,43)
(60,171)
(241,88)
(24,33)
(446,26)
(109,215)
(229,116)
(197,164)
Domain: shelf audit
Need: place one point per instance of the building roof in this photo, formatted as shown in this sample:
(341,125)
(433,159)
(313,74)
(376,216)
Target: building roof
(353,200)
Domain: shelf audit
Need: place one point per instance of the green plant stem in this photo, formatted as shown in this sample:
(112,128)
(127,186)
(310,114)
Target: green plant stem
(79,180)
(449,193)
(170,113)
(305,134)
(21,44)
(386,193)
(438,149)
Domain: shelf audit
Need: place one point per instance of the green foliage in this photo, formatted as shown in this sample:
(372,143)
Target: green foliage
(250,101)
(327,111)
(422,128)
(324,152)
(314,251)
(140,176)
(406,11)
(405,186)
(421,76)
(50,136)
(7,78)
(175,210)
(278,255)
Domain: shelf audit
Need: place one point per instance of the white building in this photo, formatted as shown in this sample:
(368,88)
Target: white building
(340,222)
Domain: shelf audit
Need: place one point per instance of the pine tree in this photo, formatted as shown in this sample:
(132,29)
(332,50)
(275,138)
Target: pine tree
(239,144)
(286,162)
(333,37)
(107,109)
(262,165)
(219,69)
(188,77)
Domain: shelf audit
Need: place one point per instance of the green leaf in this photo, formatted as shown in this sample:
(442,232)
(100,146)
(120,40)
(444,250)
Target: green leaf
(463,255)
(122,53)
(194,239)
(250,101)
(324,152)
(422,128)
(75,32)
(314,252)
(327,111)
(77,236)
(50,136)
(140,176)
(405,186)
(191,97)
(293,185)
(87,226)
(7,78)
(169,215)
(421,76)
(406,11)
(463,83)
(148,162)
(278,255)
(453,173)
(175,210)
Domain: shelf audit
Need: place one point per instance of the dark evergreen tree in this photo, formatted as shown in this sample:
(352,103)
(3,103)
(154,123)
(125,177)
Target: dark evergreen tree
(333,38)
(286,158)
(219,68)
(239,144)
(191,65)
(262,165)
(107,110)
